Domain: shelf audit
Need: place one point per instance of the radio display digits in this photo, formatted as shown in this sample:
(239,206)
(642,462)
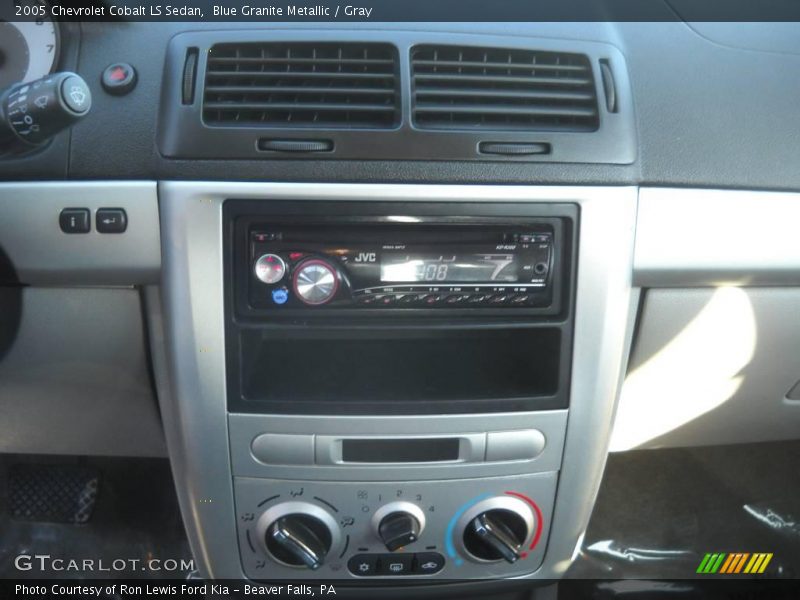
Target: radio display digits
(431,268)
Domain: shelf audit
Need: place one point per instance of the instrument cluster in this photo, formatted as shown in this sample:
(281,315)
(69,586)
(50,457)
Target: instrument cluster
(29,47)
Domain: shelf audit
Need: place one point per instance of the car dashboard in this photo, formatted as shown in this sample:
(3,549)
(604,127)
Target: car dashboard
(387,296)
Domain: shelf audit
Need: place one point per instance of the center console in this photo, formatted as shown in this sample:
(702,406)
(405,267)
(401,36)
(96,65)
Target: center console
(381,382)
(375,310)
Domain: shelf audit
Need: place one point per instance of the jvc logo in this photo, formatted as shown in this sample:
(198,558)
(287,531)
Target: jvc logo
(364,257)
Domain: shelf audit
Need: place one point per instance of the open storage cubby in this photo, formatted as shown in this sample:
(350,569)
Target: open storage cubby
(401,370)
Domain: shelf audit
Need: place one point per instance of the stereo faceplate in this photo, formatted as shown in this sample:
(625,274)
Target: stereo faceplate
(448,507)
(386,266)
(289,265)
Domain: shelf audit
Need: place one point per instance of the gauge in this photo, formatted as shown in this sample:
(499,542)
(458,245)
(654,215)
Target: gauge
(29,49)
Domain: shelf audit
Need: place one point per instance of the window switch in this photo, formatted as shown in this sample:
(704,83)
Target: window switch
(74,220)
(111,220)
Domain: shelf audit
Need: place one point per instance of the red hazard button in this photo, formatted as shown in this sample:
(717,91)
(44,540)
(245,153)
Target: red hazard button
(119,78)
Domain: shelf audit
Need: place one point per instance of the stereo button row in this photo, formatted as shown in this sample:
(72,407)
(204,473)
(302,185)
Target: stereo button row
(395,565)
(425,300)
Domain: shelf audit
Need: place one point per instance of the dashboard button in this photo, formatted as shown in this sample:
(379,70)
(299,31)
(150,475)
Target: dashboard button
(363,565)
(119,78)
(395,564)
(283,449)
(524,444)
(280,295)
(387,299)
(111,220)
(433,299)
(76,94)
(74,220)
(427,563)
(270,268)
(499,299)
(263,236)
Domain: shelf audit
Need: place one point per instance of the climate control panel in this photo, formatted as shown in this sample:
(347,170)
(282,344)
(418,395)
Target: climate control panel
(453,529)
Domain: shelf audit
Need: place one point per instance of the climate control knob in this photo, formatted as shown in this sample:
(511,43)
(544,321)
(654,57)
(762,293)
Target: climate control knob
(315,281)
(298,534)
(497,529)
(299,540)
(398,524)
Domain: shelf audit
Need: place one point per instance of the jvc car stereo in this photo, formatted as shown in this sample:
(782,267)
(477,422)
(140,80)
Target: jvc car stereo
(401,266)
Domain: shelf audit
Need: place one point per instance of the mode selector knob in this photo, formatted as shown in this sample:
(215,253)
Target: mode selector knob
(315,281)
(300,540)
(398,524)
(298,534)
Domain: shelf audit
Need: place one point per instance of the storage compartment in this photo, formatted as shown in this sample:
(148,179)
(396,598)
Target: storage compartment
(394,370)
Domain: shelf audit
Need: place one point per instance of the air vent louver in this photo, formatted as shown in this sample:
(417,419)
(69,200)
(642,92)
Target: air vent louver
(302,85)
(459,87)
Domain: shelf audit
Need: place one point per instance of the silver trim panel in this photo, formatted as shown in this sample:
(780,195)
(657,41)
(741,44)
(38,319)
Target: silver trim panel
(43,255)
(330,430)
(193,385)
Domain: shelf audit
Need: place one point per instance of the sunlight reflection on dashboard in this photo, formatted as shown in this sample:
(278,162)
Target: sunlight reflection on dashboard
(697,371)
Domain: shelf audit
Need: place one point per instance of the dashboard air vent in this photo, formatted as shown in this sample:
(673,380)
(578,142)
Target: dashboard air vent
(302,85)
(462,87)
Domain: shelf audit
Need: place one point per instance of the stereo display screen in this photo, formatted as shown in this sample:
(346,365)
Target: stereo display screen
(427,268)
